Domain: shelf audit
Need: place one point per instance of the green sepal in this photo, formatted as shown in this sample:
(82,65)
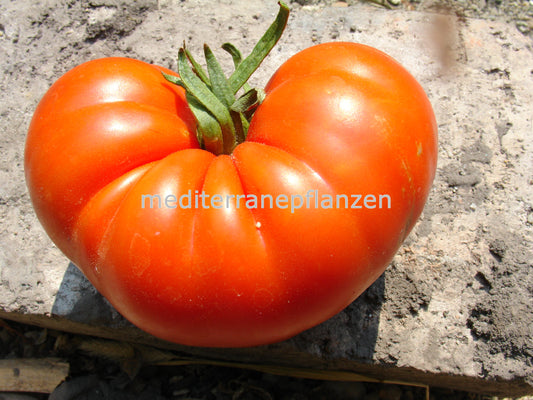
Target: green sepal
(221,89)
(237,59)
(208,131)
(219,82)
(223,121)
(173,79)
(247,101)
(197,68)
(247,67)
(197,88)
(234,53)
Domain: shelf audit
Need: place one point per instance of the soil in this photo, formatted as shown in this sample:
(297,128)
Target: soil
(94,376)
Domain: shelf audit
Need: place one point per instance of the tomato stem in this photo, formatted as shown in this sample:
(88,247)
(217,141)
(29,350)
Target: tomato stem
(222,118)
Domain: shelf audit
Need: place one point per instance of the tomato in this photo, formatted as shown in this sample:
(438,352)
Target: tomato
(342,125)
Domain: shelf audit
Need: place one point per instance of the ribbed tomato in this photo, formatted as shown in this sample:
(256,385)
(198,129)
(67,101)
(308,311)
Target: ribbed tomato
(339,158)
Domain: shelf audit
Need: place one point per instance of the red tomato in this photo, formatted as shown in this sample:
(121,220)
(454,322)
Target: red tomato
(339,121)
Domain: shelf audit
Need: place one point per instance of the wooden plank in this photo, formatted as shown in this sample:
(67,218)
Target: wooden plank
(38,375)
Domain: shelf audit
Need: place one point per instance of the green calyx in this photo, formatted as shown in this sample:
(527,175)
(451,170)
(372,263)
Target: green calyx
(222,116)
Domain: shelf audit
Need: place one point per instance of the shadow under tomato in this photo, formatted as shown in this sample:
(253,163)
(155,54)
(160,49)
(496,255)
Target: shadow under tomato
(351,334)
(77,300)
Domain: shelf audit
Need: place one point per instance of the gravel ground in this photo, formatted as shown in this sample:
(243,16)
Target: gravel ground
(511,10)
(519,12)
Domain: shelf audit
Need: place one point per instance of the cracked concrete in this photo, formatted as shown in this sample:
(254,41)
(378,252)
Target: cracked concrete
(455,307)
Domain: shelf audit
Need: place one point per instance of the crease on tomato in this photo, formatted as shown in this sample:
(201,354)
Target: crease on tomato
(256,222)
(157,282)
(117,138)
(233,258)
(90,232)
(373,127)
(329,245)
(196,214)
(315,179)
(223,176)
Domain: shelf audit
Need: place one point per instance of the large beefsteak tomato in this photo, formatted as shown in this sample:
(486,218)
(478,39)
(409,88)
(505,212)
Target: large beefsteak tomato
(339,156)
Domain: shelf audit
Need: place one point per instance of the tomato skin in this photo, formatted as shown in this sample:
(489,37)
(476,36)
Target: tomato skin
(338,118)
(97,122)
(382,122)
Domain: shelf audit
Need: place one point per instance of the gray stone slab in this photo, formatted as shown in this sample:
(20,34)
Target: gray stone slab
(454,308)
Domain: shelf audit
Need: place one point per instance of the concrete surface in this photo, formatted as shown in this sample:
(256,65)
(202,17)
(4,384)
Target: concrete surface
(455,307)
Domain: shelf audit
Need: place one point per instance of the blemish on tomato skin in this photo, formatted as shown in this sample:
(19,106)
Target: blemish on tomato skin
(418,149)
(407,171)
